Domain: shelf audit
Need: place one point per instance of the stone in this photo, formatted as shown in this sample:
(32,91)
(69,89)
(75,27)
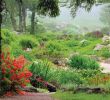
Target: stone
(106,39)
(29,89)
(51,88)
(108,46)
(98,47)
(89,90)
(107,61)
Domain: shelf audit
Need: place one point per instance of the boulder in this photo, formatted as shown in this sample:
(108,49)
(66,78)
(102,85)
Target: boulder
(108,46)
(106,40)
(29,89)
(89,90)
(98,47)
(107,61)
(51,88)
(60,62)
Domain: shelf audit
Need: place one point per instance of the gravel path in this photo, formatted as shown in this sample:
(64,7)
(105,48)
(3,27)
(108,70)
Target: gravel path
(106,67)
(30,96)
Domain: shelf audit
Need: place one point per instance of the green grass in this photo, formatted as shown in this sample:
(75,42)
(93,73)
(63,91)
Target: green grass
(80,96)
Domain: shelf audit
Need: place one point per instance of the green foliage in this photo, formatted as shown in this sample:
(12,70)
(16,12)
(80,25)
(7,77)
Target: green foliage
(82,62)
(80,96)
(47,7)
(41,68)
(7,36)
(84,43)
(27,42)
(54,49)
(105,53)
(68,76)
(17,52)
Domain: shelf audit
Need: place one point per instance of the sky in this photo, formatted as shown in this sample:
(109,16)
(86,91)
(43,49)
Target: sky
(84,20)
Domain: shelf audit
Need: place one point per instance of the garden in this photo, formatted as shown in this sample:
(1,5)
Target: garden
(45,62)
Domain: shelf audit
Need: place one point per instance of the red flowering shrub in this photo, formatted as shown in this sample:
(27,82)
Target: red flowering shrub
(14,73)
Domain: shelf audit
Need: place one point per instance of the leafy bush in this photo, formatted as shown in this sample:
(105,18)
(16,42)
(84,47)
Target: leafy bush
(14,73)
(28,42)
(105,53)
(84,43)
(54,49)
(41,69)
(72,43)
(82,62)
(17,52)
(7,36)
(69,77)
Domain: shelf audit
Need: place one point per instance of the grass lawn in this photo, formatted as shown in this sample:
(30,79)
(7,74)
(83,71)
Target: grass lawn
(80,96)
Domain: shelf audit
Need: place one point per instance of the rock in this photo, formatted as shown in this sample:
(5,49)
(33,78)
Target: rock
(51,88)
(108,46)
(27,49)
(95,57)
(96,90)
(98,47)
(60,62)
(107,61)
(29,89)
(90,90)
(106,40)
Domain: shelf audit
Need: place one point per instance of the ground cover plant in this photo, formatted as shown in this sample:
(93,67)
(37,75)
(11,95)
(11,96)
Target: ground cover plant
(80,96)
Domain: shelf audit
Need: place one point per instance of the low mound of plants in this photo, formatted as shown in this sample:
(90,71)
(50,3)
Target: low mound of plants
(28,42)
(82,62)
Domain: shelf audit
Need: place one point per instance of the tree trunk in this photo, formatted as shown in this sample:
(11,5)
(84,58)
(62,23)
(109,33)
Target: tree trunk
(32,31)
(0,15)
(22,16)
(1,9)
(13,21)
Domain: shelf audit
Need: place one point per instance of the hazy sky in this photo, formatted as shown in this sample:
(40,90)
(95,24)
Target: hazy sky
(83,20)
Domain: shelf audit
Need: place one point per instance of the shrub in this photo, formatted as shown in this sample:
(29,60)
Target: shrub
(69,76)
(82,62)
(105,53)
(14,73)
(54,49)
(41,69)
(72,43)
(7,36)
(17,52)
(28,42)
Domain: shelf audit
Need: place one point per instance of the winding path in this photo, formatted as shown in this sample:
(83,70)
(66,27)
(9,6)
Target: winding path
(30,96)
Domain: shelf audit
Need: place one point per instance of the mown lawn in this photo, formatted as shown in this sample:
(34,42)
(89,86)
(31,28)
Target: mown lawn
(80,96)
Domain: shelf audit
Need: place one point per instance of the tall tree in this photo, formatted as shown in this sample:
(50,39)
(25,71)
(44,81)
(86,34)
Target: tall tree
(43,7)
(22,15)
(11,9)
